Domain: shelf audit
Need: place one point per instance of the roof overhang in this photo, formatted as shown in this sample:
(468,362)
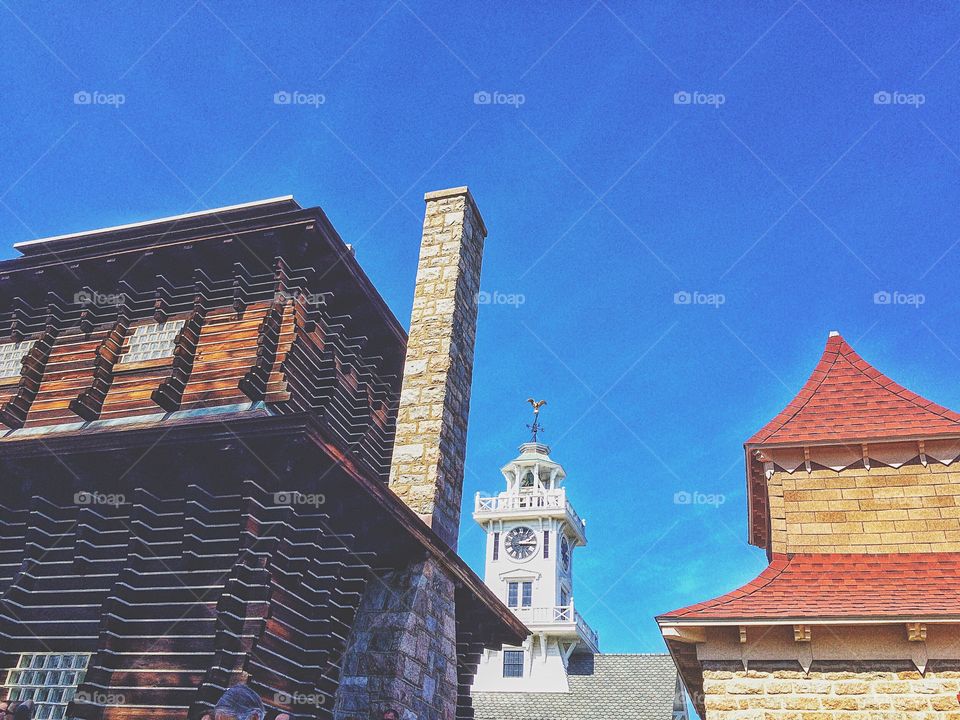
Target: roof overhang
(281,435)
(26,246)
(685,626)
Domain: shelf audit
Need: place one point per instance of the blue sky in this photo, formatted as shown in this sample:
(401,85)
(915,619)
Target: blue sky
(782,197)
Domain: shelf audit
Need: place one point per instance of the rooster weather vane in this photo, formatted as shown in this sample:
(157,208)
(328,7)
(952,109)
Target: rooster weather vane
(536,427)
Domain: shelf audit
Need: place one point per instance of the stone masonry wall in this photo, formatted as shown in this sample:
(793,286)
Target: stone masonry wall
(431,437)
(882,510)
(870,692)
(402,650)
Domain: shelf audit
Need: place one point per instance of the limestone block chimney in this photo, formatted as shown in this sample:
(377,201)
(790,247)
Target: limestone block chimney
(431,436)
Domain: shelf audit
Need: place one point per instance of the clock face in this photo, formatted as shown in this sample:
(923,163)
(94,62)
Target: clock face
(565,552)
(521,543)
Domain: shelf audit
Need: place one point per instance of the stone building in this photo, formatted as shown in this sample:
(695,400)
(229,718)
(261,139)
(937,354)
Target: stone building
(216,471)
(532,531)
(854,494)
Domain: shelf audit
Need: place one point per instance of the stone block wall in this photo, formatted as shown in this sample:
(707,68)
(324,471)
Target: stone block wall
(914,508)
(431,435)
(402,650)
(834,691)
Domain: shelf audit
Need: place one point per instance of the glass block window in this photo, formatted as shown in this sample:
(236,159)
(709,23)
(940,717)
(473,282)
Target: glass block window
(513,663)
(49,680)
(11,357)
(152,341)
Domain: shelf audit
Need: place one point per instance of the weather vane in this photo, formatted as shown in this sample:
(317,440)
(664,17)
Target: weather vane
(536,427)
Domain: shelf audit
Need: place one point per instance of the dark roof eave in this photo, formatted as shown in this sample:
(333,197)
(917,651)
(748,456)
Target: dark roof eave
(259,424)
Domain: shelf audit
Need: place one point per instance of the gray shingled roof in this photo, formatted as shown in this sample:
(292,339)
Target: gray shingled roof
(602,687)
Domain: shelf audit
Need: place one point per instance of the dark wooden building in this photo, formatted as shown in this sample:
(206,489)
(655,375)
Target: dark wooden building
(197,422)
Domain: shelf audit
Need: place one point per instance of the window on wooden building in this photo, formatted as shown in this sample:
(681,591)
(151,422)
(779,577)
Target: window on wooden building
(513,663)
(11,357)
(152,341)
(49,679)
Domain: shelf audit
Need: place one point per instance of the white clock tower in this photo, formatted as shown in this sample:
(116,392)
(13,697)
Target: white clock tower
(532,531)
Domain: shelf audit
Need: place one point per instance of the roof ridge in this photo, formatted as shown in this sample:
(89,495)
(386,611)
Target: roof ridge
(639,654)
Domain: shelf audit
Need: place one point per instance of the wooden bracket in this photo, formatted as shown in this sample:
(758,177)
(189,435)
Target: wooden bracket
(801,633)
(916,631)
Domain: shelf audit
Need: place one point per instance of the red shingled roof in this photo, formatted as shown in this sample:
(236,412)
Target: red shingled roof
(847,399)
(825,586)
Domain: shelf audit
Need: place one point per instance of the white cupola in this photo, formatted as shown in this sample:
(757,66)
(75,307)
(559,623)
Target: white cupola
(532,471)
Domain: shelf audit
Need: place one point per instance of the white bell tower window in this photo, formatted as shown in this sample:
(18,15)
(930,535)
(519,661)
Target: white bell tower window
(152,341)
(520,594)
(49,679)
(527,482)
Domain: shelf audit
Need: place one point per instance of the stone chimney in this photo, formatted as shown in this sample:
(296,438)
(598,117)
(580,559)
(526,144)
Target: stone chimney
(431,437)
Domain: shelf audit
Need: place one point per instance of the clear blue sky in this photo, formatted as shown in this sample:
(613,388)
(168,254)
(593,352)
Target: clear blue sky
(797,199)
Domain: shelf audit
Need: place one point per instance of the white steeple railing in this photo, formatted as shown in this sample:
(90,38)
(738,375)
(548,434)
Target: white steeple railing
(557,615)
(540,500)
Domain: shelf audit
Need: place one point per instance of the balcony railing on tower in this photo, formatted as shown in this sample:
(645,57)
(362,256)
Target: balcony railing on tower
(558,615)
(544,500)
